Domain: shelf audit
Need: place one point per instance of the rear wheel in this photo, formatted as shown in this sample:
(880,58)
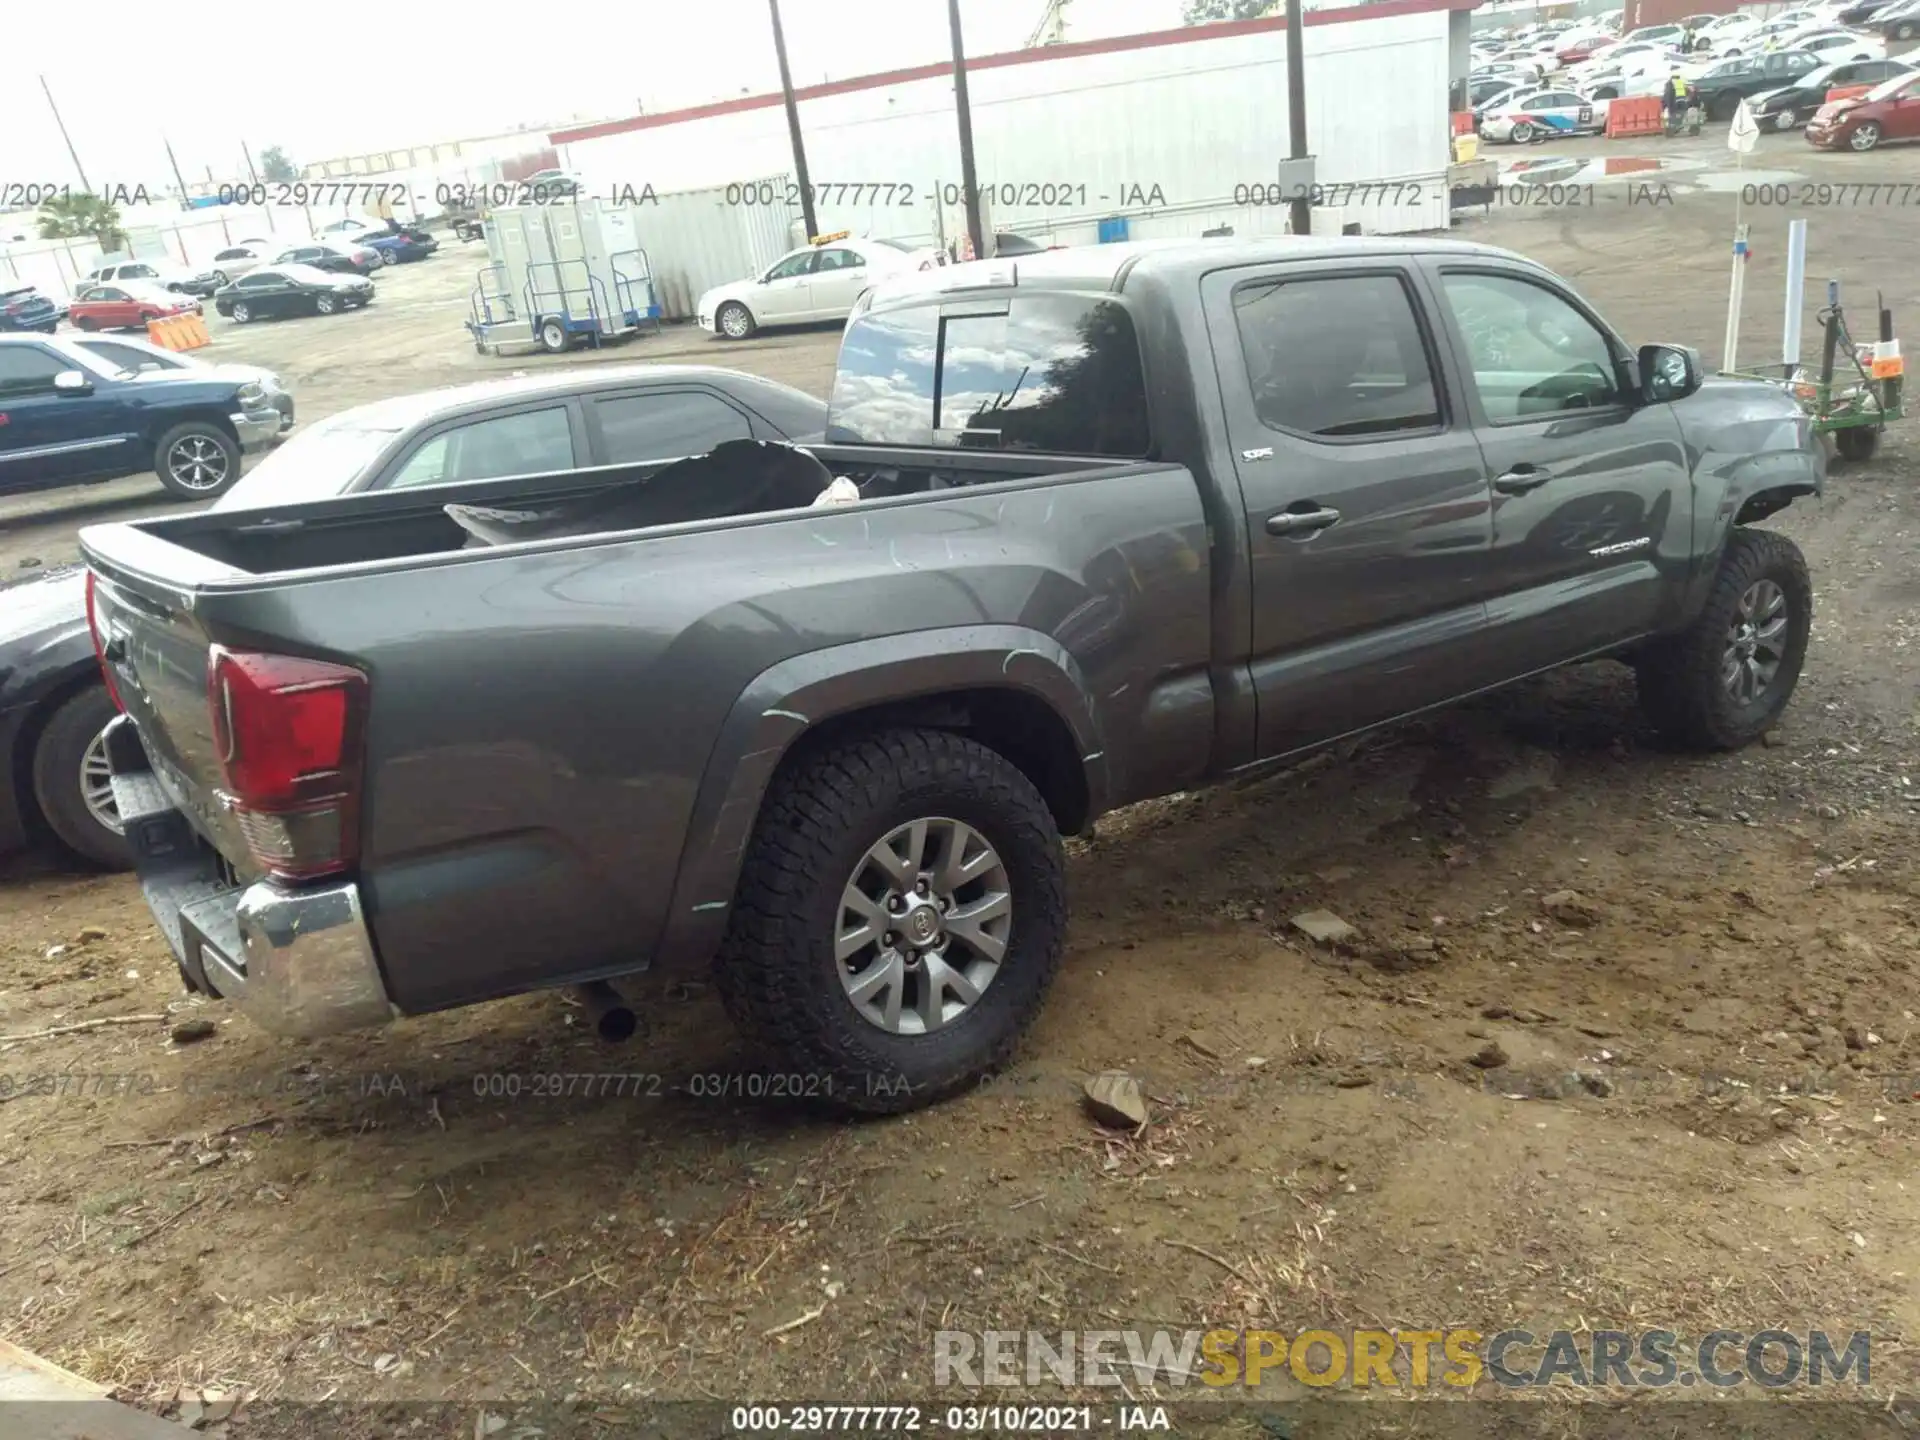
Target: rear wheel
(899,918)
(1905,30)
(198,460)
(1723,682)
(553,337)
(1522,132)
(83,322)
(73,785)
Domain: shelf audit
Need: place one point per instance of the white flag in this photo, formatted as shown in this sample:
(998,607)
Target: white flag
(1743,135)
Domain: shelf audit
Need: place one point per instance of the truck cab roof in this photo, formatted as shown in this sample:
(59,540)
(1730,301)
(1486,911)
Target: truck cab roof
(1106,267)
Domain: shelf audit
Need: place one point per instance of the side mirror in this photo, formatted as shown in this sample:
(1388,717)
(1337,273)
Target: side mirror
(72,382)
(1669,372)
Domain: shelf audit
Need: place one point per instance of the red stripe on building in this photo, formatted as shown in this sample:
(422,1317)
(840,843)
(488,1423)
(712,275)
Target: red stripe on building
(1186,35)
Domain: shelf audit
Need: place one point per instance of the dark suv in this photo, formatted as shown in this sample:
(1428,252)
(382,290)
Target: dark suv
(23,307)
(67,415)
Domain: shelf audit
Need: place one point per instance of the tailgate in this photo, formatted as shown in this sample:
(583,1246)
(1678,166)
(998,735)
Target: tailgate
(156,654)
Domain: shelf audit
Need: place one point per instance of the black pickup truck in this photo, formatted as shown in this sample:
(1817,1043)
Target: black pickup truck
(1128,519)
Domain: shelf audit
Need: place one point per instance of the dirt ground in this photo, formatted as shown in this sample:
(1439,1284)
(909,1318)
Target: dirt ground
(1685,1097)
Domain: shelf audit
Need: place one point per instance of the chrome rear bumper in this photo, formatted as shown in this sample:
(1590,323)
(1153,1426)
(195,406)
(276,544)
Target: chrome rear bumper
(296,962)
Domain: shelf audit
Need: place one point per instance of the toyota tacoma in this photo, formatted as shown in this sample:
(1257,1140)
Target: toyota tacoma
(1124,520)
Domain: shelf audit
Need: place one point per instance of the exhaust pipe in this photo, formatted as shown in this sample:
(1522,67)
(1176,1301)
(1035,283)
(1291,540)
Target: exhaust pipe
(613,1019)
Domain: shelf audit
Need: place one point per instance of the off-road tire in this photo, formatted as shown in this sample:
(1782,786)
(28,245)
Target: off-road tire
(1681,688)
(57,753)
(776,973)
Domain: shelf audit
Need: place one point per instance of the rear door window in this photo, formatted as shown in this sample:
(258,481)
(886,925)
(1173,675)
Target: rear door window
(1339,357)
(531,442)
(1059,374)
(666,425)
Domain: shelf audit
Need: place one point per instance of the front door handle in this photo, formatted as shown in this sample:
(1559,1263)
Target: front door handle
(1522,478)
(1301,522)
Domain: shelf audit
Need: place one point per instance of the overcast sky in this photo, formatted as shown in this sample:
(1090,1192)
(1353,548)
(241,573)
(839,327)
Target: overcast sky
(328,80)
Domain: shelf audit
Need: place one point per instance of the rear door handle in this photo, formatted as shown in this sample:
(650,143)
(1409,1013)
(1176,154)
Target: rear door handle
(1521,479)
(1301,522)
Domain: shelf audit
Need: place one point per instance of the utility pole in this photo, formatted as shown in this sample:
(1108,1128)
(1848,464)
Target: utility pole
(969,185)
(253,175)
(178,178)
(793,124)
(72,154)
(1297,110)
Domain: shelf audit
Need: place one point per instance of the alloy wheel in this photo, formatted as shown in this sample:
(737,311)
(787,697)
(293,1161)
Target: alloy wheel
(197,463)
(922,926)
(1756,642)
(96,785)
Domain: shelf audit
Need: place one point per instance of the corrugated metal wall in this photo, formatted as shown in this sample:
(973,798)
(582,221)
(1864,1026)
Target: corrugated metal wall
(1167,134)
(695,240)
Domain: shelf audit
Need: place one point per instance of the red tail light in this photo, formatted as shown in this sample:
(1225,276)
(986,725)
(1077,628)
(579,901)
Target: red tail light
(100,648)
(288,733)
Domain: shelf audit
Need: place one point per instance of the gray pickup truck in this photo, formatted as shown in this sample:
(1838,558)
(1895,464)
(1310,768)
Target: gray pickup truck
(1129,519)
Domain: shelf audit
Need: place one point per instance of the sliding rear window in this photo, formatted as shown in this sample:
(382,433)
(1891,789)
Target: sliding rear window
(1057,374)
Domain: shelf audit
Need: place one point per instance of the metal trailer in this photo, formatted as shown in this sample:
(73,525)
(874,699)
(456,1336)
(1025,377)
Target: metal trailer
(1851,407)
(562,274)
(697,239)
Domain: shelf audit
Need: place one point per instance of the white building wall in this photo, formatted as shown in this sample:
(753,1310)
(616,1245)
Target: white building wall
(1199,119)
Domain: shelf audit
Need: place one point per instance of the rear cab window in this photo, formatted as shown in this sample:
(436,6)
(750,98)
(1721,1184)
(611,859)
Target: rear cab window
(1057,374)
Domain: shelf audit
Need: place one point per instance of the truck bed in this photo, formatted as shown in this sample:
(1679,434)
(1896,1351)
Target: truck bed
(413,525)
(566,740)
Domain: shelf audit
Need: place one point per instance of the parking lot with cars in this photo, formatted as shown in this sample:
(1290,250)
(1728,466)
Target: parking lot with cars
(1605,1029)
(1560,78)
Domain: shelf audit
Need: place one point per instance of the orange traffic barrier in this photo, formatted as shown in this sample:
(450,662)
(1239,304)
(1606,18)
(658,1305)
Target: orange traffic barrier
(178,332)
(1846,92)
(1638,116)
